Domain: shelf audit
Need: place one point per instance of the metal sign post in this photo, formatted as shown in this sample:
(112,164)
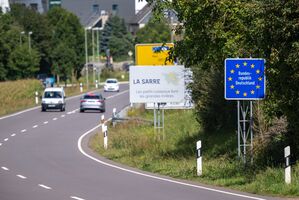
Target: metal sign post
(245,80)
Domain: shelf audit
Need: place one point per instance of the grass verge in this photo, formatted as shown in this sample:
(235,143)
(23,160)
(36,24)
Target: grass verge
(172,153)
(19,95)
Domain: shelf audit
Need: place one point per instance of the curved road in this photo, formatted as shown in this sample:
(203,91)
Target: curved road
(44,156)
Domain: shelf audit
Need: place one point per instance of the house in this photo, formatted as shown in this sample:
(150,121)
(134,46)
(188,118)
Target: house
(4,6)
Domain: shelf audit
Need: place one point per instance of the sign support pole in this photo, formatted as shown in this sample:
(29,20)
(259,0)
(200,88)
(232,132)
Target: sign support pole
(245,130)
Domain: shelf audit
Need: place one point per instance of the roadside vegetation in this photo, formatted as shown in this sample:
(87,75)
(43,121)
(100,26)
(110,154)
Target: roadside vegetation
(172,153)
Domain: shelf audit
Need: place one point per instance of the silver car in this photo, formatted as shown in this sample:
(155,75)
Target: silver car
(92,101)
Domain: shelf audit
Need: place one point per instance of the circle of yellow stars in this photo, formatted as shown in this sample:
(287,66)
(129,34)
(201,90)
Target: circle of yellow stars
(232,71)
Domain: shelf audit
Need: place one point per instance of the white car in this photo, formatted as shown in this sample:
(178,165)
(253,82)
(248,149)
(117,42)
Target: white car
(111,85)
(53,98)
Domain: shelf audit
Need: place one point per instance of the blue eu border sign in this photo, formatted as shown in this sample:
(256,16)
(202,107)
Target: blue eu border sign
(244,79)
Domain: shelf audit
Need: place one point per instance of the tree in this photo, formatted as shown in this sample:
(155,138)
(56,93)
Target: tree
(32,21)
(23,63)
(116,38)
(67,40)
(155,31)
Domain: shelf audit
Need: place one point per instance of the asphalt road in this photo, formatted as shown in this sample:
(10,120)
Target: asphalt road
(44,156)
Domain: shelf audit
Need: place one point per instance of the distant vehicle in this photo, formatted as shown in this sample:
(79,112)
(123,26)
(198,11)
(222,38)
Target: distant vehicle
(111,85)
(92,101)
(47,81)
(53,98)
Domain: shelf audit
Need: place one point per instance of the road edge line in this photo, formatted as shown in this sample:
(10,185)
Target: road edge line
(79,143)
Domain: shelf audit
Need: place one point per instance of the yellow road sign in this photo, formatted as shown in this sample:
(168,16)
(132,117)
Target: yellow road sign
(153,54)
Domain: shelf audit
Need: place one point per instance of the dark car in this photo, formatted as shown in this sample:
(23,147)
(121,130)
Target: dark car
(92,101)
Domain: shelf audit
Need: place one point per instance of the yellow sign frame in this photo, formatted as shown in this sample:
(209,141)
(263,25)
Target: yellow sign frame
(153,54)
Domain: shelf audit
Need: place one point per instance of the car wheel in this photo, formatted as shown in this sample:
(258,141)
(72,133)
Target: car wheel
(43,109)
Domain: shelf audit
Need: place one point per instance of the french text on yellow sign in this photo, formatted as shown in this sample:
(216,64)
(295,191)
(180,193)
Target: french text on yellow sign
(153,54)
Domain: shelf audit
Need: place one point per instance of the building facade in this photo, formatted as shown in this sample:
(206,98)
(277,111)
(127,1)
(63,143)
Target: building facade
(4,6)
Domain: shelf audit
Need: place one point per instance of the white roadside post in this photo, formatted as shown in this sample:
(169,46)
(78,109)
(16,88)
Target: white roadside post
(105,132)
(36,97)
(113,116)
(287,154)
(97,85)
(199,158)
(81,87)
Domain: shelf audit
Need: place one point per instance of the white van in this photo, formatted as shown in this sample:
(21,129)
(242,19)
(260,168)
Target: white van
(53,98)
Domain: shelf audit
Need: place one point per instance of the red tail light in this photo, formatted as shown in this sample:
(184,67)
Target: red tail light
(101,101)
(82,101)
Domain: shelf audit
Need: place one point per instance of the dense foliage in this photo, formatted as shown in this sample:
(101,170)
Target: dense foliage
(116,38)
(215,30)
(32,43)
(154,32)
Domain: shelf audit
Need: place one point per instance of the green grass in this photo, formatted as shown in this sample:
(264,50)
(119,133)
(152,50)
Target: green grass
(172,153)
(19,95)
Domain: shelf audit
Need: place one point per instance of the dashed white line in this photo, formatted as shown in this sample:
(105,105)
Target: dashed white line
(77,198)
(12,135)
(46,122)
(62,116)
(54,118)
(6,139)
(5,168)
(21,176)
(23,131)
(35,126)
(45,187)
(69,113)
(0,144)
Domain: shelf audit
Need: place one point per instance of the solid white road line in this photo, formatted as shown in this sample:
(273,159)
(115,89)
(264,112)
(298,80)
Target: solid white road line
(35,126)
(46,122)
(152,176)
(21,176)
(5,168)
(12,135)
(23,131)
(45,187)
(77,198)
(6,139)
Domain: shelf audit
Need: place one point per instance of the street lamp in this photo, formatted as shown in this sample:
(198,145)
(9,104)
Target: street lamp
(97,49)
(29,34)
(86,56)
(21,33)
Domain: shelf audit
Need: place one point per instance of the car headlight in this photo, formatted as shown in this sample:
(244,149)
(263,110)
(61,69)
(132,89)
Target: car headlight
(43,101)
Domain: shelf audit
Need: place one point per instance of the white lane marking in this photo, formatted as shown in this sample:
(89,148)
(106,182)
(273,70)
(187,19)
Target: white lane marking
(117,94)
(69,113)
(54,118)
(155,177)
(6,139)
(38,107)
(35,126)
(0,144)
(46,122)
(23,131)
(62,116)
(45,187)
(21,176)
(5,168)
(12,135)
(78,198)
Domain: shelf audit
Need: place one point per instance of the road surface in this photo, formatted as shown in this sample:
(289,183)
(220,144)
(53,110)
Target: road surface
(44,156)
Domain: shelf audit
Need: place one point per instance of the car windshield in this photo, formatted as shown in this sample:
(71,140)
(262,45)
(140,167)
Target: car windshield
(52,94)
(111,81)
(92,97)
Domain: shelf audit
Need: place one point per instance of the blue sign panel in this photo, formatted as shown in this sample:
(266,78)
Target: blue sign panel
(244,79)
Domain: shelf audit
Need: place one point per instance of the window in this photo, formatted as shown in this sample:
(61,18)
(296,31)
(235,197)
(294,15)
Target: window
(34,6)
(114,8)
(95,8)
